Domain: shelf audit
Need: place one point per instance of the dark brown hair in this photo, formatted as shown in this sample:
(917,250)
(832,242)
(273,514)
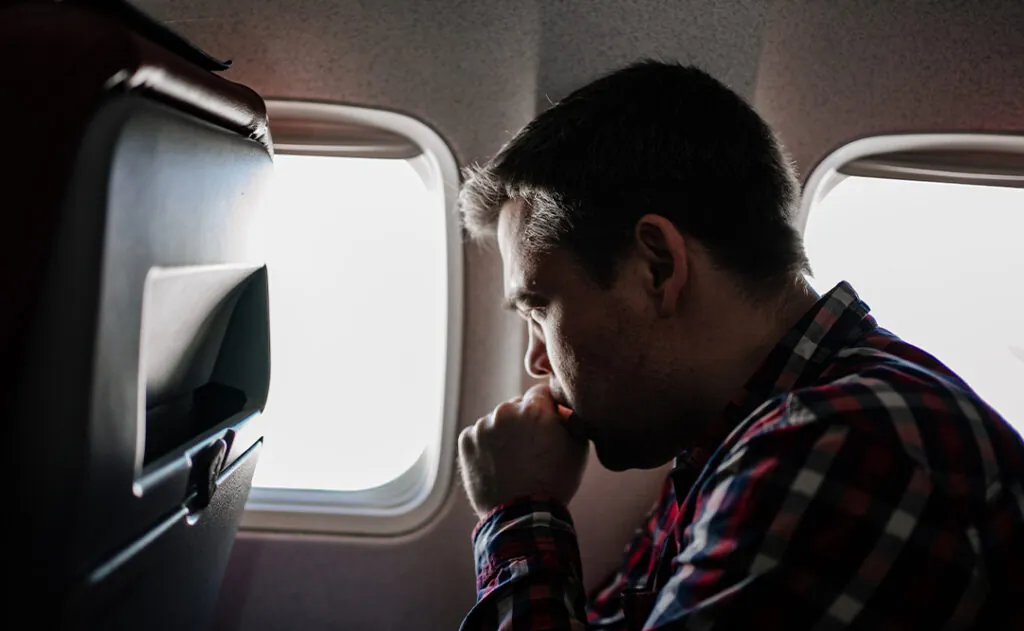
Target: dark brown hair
(657,138)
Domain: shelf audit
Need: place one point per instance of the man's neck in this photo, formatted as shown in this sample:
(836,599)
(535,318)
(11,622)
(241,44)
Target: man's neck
(750,332)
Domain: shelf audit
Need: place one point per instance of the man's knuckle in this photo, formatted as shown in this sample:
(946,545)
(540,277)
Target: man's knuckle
(466,438)
(533,403)
(505,412)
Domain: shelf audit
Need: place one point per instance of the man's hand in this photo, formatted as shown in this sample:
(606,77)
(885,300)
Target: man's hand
(523,447)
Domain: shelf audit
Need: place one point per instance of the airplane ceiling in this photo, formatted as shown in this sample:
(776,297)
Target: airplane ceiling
(476,70)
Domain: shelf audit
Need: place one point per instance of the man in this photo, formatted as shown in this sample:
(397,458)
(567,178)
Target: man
(827,474)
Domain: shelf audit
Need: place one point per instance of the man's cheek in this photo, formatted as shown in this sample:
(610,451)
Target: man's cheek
(563,352)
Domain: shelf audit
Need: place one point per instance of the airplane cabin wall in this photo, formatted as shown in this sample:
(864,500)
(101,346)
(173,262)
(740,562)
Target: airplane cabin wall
(476,71)
(832,72)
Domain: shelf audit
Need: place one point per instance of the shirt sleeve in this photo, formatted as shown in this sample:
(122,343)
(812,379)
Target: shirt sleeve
(528,569)
(808,523)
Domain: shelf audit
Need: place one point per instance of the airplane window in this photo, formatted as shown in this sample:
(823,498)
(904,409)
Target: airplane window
(358,286)
(940,265)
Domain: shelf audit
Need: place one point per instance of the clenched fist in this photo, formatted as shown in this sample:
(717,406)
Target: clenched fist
(523,447)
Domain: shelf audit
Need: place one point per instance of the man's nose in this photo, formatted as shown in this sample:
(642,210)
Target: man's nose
(537,364)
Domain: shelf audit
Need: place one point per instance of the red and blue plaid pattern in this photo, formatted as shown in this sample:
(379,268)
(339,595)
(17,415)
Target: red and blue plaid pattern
(857,482)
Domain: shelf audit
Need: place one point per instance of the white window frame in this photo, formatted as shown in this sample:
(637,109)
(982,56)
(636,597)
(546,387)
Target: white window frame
(941,157)
(407,502)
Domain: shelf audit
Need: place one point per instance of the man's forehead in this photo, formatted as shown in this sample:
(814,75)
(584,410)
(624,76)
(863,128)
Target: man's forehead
(509,225)
(514,264)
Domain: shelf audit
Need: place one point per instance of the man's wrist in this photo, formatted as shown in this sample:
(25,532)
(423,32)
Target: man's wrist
(536,530)
(520,505)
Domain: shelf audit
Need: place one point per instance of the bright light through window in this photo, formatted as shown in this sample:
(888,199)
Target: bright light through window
(358,305)
(940,265)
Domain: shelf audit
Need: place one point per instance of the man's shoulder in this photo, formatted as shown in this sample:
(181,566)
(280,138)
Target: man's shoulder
(903,398)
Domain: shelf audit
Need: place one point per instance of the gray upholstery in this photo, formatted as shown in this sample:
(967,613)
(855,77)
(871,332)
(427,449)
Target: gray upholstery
(140,363)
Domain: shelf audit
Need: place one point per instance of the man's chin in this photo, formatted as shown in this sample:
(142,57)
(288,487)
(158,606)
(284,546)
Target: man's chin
(614,458)
(611,464)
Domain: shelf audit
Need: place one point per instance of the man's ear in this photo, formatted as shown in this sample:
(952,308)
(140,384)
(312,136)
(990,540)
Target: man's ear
(662,251)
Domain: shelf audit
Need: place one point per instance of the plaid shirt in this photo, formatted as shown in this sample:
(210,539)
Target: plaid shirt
(856,482)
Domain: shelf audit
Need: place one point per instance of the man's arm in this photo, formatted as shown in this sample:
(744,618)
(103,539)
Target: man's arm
(520,466)
(528,569)
(818,524)
(529,547)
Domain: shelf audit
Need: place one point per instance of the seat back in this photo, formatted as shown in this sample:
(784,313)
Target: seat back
(134,338)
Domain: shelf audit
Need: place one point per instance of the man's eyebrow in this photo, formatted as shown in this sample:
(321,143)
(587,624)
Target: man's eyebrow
(523,297)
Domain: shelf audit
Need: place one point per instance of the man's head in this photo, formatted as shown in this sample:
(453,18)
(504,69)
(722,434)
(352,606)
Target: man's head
(628,216)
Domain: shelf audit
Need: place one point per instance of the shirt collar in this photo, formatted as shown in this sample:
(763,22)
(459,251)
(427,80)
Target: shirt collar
(838,318)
